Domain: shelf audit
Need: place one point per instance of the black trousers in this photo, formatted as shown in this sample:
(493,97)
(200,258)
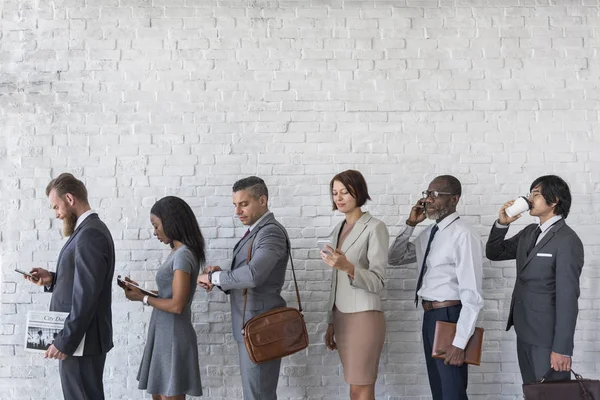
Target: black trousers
(534,363)
(81,377)
(446,381)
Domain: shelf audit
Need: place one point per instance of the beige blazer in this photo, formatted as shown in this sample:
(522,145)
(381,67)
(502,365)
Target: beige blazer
(366,247)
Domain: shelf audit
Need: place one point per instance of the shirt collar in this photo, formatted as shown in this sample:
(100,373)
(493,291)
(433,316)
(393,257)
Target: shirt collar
(254,225)
(546,225)
(447,221)
(82,217)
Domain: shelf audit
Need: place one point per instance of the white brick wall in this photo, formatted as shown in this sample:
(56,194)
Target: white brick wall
(144,98)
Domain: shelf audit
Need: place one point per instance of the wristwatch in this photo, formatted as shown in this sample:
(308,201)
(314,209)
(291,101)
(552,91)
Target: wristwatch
(210,273)
(145,300)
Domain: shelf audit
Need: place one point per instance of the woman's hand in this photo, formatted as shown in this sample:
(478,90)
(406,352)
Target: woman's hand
(131,292)
(329,338)
(337,259)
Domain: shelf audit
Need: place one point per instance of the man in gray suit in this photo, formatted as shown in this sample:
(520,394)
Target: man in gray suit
(80,286)
(549,258)
(263,277)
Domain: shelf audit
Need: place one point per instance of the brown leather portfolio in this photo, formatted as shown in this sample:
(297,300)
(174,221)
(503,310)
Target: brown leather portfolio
(444,336)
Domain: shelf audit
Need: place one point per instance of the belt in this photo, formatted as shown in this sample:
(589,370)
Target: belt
(431,305)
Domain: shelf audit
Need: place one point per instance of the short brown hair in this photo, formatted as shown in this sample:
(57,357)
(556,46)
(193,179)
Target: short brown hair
(355,182)
(67,183)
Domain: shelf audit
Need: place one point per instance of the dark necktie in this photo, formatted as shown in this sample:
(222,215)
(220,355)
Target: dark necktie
(240,241)
(424,266)
(536,235)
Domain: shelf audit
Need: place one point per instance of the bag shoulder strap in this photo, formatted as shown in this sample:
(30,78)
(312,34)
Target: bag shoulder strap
(249,257)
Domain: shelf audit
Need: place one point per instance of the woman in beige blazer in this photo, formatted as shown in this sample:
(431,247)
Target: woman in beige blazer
(359,257)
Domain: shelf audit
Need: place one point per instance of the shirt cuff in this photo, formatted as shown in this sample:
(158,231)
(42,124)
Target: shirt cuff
(460,342)
(214,279)
(500,226)
(409,230)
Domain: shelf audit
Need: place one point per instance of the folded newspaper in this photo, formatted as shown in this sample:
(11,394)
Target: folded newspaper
(43,327)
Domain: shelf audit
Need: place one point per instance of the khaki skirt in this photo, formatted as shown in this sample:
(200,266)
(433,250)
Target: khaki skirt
(359,338)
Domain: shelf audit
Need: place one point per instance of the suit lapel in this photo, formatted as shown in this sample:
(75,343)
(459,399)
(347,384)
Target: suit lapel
(545,240)
(355,233)
(94,215)
(335,235)
(252,233)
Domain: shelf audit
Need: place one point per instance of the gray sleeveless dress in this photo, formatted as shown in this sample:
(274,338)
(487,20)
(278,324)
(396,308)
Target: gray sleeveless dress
(170,363)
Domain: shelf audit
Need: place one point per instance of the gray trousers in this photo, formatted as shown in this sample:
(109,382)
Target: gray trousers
(534,363)
(259,381)
(81,377)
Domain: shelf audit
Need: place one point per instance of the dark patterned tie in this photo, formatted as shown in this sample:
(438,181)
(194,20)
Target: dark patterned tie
(240,241)
(424,266)
(536,235)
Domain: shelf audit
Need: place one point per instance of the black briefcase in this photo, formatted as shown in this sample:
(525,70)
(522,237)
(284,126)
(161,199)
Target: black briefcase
(578,389)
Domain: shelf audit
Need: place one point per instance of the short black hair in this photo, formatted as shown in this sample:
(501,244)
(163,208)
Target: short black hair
(555,190)
(452,184)
(255,185)
(356,184)
(179,223)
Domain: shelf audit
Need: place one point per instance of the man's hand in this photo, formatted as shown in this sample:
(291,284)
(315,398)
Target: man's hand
(44,278)
(211,268)
(54,353)
(417,213)
(503,218)
(452,355)
(204,282)
(558,362)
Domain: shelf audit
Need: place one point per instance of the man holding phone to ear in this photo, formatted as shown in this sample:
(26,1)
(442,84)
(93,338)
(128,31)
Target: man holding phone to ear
(449,256)
(81,286)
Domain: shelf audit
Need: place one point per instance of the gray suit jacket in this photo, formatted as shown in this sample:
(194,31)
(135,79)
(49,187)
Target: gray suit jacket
(544,305)
(264,276)
(82,287)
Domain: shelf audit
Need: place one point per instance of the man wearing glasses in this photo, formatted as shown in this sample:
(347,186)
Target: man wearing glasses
(449,256)
(549,258)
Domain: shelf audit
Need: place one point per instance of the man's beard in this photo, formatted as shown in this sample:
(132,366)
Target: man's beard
(438,213)
(69,223)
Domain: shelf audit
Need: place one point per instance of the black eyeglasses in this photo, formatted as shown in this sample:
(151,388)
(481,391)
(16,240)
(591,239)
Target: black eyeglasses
(434,194)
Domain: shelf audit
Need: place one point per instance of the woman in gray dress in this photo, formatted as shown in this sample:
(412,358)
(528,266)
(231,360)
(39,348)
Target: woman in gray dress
(170,367)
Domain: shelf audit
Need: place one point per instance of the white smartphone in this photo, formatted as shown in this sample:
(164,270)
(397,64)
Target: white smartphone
(323,243)
(121,282)
(26,274)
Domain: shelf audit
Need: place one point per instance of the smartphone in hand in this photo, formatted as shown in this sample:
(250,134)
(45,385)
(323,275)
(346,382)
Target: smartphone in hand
(323,243)
(27,274)
(121,283)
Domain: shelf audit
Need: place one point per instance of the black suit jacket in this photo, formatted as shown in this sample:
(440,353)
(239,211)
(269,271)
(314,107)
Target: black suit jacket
(544,305)
(82,287)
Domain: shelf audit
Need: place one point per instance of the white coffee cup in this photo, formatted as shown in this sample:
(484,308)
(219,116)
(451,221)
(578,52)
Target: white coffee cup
(520,205)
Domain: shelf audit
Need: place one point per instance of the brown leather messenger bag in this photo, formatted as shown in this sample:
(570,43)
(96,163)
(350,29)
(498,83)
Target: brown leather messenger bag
(275,333)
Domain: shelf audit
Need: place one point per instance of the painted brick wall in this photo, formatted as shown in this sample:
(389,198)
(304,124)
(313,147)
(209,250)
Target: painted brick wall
(147,98)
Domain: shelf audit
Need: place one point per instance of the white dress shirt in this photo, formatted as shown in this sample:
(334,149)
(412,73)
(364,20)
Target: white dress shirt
(214,278)
(545,227)
(454,268)
(82,217)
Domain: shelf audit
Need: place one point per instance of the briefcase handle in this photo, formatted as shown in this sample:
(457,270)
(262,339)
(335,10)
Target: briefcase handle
(550,371)
(586,395)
